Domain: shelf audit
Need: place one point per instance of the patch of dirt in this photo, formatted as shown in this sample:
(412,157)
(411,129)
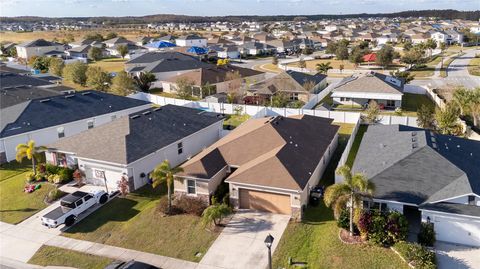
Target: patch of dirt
(345,237)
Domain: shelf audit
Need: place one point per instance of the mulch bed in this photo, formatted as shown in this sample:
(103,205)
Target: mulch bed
(345,237)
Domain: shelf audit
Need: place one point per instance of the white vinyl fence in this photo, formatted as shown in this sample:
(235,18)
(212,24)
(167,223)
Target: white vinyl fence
(346,151)
(315,98)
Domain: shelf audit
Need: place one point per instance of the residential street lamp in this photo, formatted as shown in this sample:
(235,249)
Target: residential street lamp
(268,242)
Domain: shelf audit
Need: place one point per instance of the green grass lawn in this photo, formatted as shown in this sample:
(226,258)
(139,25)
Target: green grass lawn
(53,256)
(235,120)
(410,104)
(315,241)
(110,65)
(16,205)
(134,223)
(474,67)
(8,170)
(356,145)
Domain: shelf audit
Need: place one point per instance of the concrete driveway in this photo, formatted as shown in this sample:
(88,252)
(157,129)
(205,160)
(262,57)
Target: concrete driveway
(451,256)
(240,245)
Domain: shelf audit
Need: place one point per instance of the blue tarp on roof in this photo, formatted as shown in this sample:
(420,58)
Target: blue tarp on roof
(160,44)
(197,50)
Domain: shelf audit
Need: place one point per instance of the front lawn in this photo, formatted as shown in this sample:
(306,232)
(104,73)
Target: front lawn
(315,241)
(15,204)
(53,256)
(474,67)
(8,170)
(134,223)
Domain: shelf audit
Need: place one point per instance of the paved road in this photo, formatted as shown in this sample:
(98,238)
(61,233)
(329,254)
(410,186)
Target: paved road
(451,256)
(457,74)
(241,243)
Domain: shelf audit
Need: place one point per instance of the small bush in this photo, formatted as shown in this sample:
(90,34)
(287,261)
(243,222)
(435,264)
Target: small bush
(66,174)
(39,177)
(383,228)
(364,222)
(54,195)
(29,177)
(221,192)
(41,169)
(426,236)
(51,169)
(343,220)
(190,205)
(51,178)
(418,255)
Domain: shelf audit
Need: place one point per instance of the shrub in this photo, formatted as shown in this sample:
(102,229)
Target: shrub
(51,178)
(39,177)
(29,177)
(383,228)
(215,213)
(190,205)
(51,169)
(57,179)
(426,236)
(41,169)
(377,232)
(398,111)
(54,195)
(365,222)
(418,255)
(397,227)
(66,174)
(343,220)
(221,192)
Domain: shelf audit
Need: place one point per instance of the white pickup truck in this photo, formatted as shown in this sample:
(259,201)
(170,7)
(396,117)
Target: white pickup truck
(71,206)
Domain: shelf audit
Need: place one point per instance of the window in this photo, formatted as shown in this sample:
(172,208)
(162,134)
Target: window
(294,97)
(390,102)
(191,187)
(90,124)
(78,203)
(61,132)
(61,159)
(471,200)
(180,148)
(88,197)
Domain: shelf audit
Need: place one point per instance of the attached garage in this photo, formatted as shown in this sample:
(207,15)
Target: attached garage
(265,201)
(457,230)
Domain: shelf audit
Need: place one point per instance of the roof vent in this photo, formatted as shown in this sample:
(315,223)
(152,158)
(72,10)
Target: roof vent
(414,145)
(414,139)
(434,145)
(458,146)
(44,100)
(134,117)
(86,93)
(414,133)
(157,109)
(69,96)
(146,112)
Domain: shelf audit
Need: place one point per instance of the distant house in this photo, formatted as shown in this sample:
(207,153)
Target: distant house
(358,90)
(191,41)
(164,65)
(79,52)
(419,38)
(215,77)
(256,48)
(296,85)
(47,118)
(6,48)
(282,45)
(426,176)
(226,51)
(117,41)
(270,163)
(39,47)
(84,42)
(133,145)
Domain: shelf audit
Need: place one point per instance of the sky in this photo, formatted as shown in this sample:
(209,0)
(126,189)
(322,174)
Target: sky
(83,8)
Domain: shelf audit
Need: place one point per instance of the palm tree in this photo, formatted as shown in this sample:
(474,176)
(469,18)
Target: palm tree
(323,68)
(30,151)
(351,191)
(165,173)
(462,98)
(144,81)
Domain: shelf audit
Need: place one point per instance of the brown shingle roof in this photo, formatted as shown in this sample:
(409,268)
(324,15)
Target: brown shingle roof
(214,74)
(277,152)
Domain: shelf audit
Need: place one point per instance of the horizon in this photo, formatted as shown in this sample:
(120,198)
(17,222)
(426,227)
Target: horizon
(205,8)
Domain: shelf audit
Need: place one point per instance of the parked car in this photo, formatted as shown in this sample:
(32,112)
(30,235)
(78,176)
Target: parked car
(130,265)
(71,206)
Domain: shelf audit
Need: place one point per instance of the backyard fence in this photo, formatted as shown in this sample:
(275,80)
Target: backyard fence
(316,98)
(346,151)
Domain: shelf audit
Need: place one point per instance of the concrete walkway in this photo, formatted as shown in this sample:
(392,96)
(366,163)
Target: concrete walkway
(241,243)
(452,256)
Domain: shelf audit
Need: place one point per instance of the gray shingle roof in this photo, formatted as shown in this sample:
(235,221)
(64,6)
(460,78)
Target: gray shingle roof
(302,78)
(14,80)
(61,109)
(151,57)
(413,165)
(460,209)
(372,83)
(13,96)
(130,138)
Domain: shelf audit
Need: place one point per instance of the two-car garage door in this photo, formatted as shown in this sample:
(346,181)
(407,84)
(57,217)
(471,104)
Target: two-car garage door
(457,230)
(265,201)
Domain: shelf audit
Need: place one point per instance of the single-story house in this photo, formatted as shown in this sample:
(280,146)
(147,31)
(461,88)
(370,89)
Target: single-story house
(134,145)
(47,119)
(270,164)
(427,176)
(359,90)
(297,85)
(164,65)
(256,48)
(215,76)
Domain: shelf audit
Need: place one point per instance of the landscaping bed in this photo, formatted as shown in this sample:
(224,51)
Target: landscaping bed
(53,256)
(134,222)
(315,241)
